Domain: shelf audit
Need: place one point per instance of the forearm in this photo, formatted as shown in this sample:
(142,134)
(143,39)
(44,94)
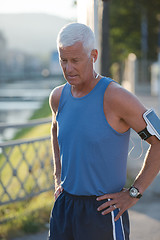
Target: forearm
(56,156)
(149,169)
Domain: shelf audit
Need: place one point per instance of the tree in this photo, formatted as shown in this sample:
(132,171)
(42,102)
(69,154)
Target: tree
(125,27)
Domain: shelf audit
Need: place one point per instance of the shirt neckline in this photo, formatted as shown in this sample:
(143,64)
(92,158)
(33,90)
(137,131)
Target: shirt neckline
(79,98)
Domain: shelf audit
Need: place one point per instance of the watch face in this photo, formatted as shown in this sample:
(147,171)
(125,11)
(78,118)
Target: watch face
(133,192)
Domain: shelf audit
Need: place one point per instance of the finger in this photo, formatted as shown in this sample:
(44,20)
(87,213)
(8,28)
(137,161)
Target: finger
(106,196)
(118,215)
(56,194)
(108,210)
(58,191)
(106,205)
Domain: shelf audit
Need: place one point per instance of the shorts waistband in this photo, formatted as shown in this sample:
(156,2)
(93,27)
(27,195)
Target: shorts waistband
(80,196)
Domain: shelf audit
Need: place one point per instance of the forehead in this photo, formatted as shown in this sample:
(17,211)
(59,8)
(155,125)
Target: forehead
(76,50)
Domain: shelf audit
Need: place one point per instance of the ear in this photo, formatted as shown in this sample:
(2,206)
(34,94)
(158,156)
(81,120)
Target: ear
(94,55)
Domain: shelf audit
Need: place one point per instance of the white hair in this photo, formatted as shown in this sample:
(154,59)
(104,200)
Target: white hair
(76,32)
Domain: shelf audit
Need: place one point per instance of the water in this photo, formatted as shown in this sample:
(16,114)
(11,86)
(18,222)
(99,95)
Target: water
(20,99)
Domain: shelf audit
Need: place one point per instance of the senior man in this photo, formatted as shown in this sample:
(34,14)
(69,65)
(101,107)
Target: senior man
(92,117)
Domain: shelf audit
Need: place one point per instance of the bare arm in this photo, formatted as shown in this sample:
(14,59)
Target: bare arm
(151,165)
(130,111)
(54,103)
(127,111)
(56,153)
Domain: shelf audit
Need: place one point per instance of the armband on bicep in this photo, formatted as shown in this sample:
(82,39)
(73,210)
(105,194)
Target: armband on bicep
(153,125)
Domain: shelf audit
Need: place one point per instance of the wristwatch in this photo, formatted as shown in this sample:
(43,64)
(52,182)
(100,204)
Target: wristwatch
(134,192)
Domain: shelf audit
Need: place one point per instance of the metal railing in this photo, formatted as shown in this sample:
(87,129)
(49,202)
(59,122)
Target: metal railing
(25,167)
(30,123)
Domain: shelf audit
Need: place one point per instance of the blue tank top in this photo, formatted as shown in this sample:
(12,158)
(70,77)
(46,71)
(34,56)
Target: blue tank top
(93,155)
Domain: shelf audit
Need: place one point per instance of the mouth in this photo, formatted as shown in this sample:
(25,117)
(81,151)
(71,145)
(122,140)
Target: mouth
(71,76)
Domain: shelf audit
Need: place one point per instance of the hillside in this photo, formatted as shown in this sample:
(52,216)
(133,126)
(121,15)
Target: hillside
(33,33)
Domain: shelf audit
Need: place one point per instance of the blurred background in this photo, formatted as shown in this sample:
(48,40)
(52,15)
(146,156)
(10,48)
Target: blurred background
(28,54)
(128,40)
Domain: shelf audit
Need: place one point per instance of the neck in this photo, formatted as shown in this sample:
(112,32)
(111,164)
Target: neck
(83,89)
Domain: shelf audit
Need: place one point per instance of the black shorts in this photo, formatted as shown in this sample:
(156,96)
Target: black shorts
(76,218)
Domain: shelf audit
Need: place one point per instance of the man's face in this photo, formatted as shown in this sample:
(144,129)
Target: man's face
(77,66)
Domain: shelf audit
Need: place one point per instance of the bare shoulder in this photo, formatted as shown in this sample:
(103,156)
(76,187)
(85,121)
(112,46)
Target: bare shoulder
(55,97)
(125,106)
(117,96)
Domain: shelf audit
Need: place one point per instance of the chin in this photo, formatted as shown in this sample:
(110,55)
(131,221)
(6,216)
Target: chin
(73,81)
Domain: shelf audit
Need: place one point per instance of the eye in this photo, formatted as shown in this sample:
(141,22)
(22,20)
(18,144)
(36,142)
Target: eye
(63,61)
(75,60)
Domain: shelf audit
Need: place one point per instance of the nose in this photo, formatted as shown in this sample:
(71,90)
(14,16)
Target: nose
(69,67)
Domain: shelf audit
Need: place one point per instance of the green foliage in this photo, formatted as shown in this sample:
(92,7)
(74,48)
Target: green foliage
(25,217)
(43,112)
(125,27)
(31,223)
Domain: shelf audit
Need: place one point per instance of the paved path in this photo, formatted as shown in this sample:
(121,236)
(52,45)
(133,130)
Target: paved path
(145,219)
(39,236)
(145,215)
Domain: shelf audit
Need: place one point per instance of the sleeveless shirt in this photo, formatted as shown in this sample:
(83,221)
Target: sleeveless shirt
(93,155)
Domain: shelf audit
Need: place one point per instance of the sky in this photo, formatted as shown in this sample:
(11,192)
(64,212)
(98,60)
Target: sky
(62,8)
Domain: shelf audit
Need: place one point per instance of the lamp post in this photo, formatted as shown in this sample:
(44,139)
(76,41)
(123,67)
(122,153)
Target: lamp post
(158,17)
(105,53)
(144,45)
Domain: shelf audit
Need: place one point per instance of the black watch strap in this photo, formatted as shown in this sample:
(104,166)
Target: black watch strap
(139,194)
(144,134)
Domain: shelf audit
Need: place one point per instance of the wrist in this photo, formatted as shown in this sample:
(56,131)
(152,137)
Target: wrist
(134,192)
(57,181)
